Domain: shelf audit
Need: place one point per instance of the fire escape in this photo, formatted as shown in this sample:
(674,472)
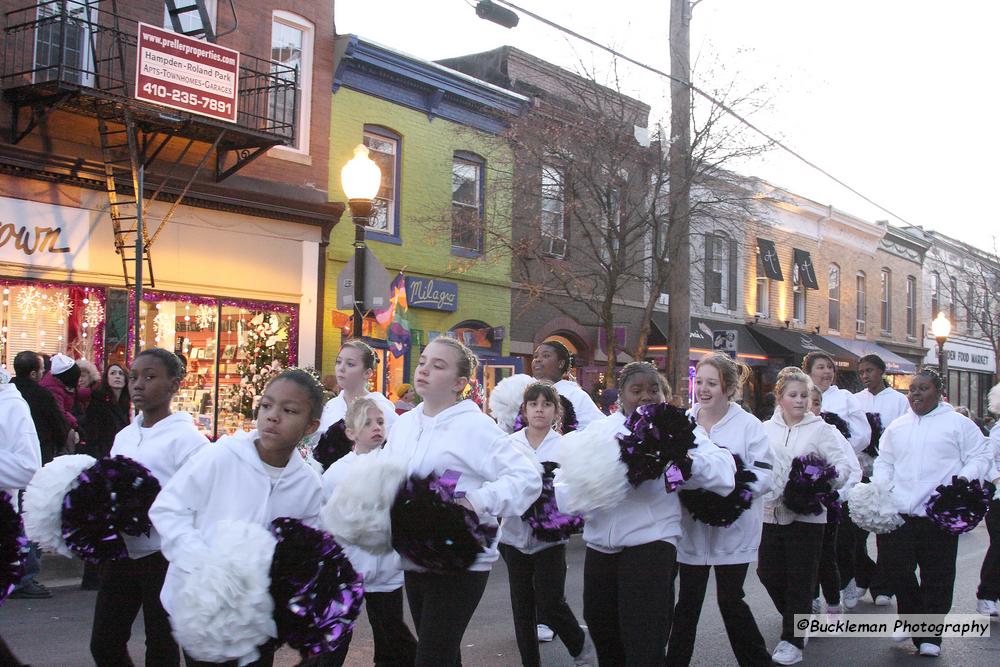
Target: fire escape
(79,56)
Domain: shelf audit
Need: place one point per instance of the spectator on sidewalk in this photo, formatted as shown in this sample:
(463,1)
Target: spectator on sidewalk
(61,383)
(50,424)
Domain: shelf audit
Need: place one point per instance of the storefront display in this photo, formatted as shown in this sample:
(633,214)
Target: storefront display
(51,317)
(232,348)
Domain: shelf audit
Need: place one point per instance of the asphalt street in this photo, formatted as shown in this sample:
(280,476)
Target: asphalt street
(55,632)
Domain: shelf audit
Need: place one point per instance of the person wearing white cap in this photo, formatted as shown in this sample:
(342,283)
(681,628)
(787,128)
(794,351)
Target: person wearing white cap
(61,382)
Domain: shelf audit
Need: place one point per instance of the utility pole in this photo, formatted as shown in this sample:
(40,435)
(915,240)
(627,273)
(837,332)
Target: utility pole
(679,171)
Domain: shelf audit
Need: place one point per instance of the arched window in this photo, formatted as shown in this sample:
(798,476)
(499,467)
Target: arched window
(833,284)
(467,202)
(861,307)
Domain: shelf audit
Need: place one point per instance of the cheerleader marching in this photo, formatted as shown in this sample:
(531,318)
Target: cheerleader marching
(281,536)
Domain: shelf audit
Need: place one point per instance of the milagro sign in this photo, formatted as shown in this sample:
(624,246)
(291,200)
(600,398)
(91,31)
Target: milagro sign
(432,294)
(44,235)
(184,73)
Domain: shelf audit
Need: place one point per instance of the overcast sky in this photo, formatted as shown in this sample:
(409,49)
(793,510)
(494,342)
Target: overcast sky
(893,97)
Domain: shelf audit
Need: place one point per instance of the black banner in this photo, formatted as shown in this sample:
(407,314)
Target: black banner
(802,267)
(769,258)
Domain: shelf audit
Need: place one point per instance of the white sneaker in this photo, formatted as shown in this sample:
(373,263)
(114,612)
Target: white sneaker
(850,595)
(899,636)
(930,650)
(786,654)
(834,613)
(883,600)
(986,607)
(861,592)
(587,656)
(817,607)
(545,633)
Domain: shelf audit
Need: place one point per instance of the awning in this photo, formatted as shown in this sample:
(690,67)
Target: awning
(769,259)
(894,364)
(747,349)
(803,270)
(658,332)
(796,344)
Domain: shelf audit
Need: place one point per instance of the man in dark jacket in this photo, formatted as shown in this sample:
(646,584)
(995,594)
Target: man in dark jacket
(48,417)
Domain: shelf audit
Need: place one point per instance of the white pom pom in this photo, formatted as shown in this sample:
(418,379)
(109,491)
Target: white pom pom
(358,511)
(994,399)
(591,475)
(873,508)
(506,399)
(223,609)
(43,500)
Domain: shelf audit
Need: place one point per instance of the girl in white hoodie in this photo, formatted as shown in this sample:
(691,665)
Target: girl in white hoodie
(553,362)
(729,549)
(788,558)
(257,477)
(383,573)
(537,570)
(628,589)
(447,433)
(356,363)
(163,442)
(924,448)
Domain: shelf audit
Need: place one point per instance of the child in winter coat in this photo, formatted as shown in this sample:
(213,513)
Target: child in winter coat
(256,477)
(383,573)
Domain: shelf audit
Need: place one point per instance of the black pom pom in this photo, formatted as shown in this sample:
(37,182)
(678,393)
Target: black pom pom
(547,523)
(333,445)
(716,510)
(958,507)
(835,420)
(660,435)
(810,485)
(433,531)
(13,546)
(875,421)
(569,420)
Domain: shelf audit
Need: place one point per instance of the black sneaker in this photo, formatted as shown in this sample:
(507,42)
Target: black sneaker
(31,591)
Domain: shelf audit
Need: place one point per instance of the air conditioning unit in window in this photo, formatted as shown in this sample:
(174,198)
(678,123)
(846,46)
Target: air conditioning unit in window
(859,327)
(554,246)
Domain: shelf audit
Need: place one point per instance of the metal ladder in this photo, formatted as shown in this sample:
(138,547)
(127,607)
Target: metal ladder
(193,8)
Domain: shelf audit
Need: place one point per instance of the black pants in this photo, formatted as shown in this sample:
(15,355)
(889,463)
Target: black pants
(829,573)
(442,606)
(741,628)
(787,562)
(266,659)
(919,543)
(126,586)
(628,600)
(881,582)
(852,553)
(989,575)
(538,581)
(395,645)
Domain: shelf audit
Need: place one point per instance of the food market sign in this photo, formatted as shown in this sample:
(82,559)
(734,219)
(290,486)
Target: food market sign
(184,73)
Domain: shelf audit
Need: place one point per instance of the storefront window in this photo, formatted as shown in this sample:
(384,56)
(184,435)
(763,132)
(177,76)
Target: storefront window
(51,317)
(232,348)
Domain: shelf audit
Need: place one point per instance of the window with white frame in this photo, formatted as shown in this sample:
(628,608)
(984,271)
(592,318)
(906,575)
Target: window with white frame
(292,46)
(553,218)
(466,201)
(833,287)
(970,310)
(935,294)
(383,149)
(720,271)
(953,306)
(190,20)
(612,221)
(798,296)
(861,303)
(885,300)
(911,306)
(763,289)
(62,45)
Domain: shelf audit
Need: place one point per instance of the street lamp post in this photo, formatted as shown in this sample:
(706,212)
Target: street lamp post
(941,329)
(361,179)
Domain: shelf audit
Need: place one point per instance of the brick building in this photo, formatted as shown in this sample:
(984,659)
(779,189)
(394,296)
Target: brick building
(234,205)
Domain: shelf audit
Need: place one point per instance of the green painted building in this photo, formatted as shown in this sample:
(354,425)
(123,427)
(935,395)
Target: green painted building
(442,216)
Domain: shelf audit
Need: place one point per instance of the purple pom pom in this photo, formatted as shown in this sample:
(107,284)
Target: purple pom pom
(834,509)
(717,510)
(875,422)
(13,546)
(333,445)
(547,523)
(809,488)
(833,419)
(657,445)
(433,531)
(317,593)
(112,498)
(958,507)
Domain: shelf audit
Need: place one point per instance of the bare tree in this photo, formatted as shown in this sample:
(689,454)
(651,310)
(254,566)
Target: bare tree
(976,295)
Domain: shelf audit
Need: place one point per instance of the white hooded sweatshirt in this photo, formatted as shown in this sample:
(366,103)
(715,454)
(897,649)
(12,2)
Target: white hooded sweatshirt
(336,408)
(586,410)
(846,405)
(888,404)
(383,573)
(499,480)
(20,455)
(164,448)
(811,435)
(918,453)
(515,531)
(648,513)
(701,544)
(227,481)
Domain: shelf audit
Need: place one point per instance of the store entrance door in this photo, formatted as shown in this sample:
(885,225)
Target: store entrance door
(496,369)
